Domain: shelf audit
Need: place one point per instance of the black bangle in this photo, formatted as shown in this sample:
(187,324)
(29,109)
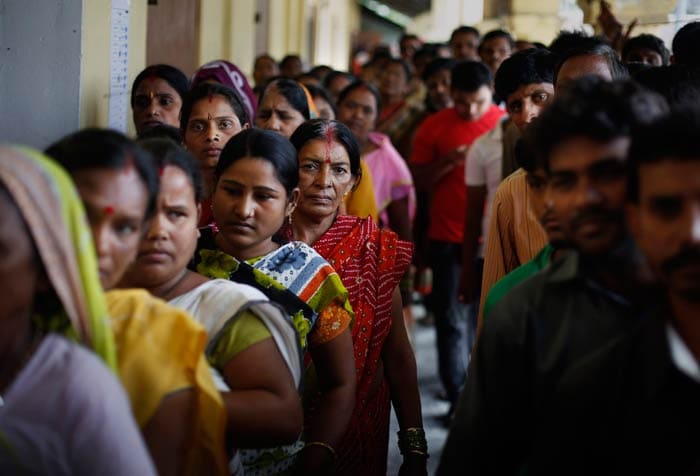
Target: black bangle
(412,441)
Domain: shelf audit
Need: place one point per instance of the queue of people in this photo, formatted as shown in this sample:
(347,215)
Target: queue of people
(230,292)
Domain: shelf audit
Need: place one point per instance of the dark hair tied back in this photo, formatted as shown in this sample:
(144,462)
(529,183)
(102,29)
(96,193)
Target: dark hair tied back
(264,145)
(323,129)
(107,149)
(292,92)
(166,152)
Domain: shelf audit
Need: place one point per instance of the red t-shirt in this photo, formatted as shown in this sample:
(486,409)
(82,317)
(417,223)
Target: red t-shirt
(438,135)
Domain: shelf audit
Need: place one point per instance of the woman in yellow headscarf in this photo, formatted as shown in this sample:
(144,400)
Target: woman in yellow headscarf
(62,411)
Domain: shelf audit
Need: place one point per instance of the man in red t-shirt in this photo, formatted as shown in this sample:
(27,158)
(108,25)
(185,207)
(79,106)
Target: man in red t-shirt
(438,159)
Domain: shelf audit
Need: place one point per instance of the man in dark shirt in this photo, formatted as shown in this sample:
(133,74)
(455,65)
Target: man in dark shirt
(641,410)
(576,305)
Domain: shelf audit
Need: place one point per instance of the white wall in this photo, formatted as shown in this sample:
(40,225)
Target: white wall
(444,16)
(54,55)
(39,70)
(227,30)
(95,58)
(336,21)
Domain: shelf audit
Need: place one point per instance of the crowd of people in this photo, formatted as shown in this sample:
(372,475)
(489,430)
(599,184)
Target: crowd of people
(230,292)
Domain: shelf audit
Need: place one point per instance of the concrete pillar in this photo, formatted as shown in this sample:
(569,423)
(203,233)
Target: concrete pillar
(95,62)
(55,59)
(657,17)
(335,23)
(535,20)
(242,36)
(446,15)
(227,31)
(213,30)
(277,29)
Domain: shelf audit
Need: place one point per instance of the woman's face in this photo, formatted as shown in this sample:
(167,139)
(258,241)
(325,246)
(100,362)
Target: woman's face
(276,114)
(324,177)
(325,111)
(172,238)
(393,81)
(156,103)
(339,83)
(264,69)
(212,123)
(358,111)
(19,272)
(249,206)
(115,203)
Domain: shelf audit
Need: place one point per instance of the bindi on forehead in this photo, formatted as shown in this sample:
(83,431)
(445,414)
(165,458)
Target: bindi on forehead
(128,165)
(108,210)
(329,145)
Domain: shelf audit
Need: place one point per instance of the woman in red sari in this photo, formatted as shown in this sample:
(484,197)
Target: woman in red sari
(370,262)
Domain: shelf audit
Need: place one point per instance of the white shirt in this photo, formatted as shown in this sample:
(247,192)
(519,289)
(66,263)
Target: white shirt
(484,169)
(67,414)
(214,304)
(681,356)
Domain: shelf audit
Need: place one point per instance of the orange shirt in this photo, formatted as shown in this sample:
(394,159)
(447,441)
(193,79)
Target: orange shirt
(515,235)
(438,135)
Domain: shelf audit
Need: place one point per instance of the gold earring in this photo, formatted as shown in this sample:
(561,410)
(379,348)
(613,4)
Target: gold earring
(289,217)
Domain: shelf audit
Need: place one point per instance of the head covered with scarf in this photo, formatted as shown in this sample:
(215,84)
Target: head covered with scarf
(229,75)
(54,215)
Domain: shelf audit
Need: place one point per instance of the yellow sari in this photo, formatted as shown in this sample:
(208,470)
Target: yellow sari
(361,202)
(160,350)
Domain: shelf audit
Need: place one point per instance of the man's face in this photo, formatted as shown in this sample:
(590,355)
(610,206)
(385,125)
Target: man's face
(582,65)
(540,196)
(291,68)
(666,223)
(470,106)
(438,86)
(465,46)
(587,180)
(526,103)
(494,51)
(644,55)
(339,83)
(264,69)
(408,48)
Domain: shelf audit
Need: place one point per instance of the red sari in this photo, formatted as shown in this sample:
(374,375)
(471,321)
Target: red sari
(370,262)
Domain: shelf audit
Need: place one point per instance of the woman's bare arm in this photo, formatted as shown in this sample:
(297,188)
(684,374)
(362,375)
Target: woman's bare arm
(401,374)
(263,406)
(168,431)
(335,368)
